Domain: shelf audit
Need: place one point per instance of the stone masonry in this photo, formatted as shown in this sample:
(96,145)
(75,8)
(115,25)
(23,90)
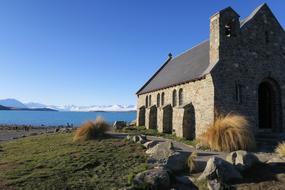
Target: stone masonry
(245,76)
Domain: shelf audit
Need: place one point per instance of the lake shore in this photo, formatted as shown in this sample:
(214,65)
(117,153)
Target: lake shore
(11,132)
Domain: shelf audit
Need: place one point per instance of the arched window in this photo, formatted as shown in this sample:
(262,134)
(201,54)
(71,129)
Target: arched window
(149,101)
(146,101)
(180,95)
(162,99)
(158,100)
(174,98)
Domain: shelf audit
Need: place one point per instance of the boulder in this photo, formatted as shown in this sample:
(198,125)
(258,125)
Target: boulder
(119,124)
(164,155)
(161,150)
(128,137)
(133,123)
(176,162)
(139,139)
(152,179)
(65,130)
(242,160)
(150,144)
(220,169)
(56,130)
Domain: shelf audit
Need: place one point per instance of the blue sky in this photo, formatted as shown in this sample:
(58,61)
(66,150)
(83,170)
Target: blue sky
(87,52)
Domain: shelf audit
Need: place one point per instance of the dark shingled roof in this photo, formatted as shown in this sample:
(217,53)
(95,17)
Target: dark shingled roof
(190,65)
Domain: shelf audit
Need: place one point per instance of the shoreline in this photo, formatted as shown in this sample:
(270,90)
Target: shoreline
(12,132)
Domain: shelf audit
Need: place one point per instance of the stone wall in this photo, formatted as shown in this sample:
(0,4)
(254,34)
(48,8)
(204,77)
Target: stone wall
(252,53)
(200,93)
(256,53)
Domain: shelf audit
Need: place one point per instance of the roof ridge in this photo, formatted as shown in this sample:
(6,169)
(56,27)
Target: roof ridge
(252,14)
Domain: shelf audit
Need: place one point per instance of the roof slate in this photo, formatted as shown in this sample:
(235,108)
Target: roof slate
(189,66)
(193,64)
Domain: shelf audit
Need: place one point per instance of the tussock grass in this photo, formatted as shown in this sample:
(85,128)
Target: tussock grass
(229,133)
(91,130)
(280,149)
(191,161)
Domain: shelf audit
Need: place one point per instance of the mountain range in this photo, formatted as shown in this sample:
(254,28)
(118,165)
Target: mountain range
(16,104)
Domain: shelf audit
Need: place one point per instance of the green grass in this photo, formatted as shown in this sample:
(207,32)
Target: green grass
(153,132)
(55,162)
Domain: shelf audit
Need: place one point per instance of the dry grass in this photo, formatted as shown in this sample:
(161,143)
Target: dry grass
(191,161)
(91,130)
(229,133)
(280,149)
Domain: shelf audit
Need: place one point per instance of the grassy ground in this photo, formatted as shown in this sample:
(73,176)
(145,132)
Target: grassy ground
(153,132)
(55,162)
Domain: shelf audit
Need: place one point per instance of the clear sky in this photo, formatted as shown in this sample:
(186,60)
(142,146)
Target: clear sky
(87,52)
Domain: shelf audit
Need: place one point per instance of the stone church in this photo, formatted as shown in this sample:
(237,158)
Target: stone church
(240,69)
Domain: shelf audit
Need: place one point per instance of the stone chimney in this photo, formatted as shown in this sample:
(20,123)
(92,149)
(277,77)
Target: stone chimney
(224,29)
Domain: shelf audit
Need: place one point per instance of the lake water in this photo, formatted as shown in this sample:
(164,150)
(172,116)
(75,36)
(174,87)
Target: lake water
(50,118)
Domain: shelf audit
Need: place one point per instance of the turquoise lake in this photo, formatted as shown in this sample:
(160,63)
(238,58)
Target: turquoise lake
(50,118)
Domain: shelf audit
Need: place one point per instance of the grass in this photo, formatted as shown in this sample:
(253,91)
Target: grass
(229,133)
(55,162)
(153,132)
(280,149)
(91,130)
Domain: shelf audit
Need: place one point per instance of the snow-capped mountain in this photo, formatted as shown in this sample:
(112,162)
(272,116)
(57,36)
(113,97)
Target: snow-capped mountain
(32,105)
(94,108)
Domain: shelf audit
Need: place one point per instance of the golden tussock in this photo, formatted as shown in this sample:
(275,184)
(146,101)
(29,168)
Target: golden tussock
(91,130)
(229,133)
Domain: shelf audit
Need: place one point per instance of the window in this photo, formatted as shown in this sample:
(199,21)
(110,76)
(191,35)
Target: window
(158,100)
(162,99)
(149,101)
(238,93)
(146,101)
(174,98)
(180,95)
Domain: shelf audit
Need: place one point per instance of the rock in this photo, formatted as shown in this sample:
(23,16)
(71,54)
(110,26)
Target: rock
(213,184)
(128,137)
(176,162)
(161,150)
(119,124)
(139,139)
(242,160)
(276,160)
(152,179)
(163,154)
(33,134)
(150,144)
(65,130)
(218,168)
(56,130)
(133,123)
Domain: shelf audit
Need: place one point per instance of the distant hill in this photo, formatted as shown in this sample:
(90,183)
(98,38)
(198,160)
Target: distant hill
(13,103)
(4,108)
(33,109)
